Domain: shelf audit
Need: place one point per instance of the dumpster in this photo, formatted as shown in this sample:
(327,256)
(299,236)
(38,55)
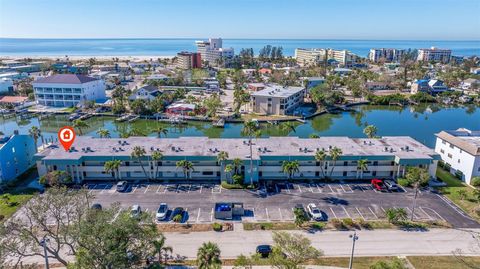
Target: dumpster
(228,211)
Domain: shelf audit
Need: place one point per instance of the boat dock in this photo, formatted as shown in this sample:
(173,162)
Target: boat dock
(220,123)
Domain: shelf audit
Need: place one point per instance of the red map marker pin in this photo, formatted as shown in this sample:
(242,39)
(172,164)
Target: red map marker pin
(66,136)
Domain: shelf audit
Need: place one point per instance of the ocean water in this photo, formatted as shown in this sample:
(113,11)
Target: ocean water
(169,47)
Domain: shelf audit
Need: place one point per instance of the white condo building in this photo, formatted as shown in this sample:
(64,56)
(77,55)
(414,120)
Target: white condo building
(434,54)
(213,51)
(460,150)
(314,56)
(67,90)
(390,55)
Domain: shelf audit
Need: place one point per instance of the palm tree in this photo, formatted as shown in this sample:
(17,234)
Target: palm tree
(161,130)
(35,133)
(103,133)
(362,166)
(229,168)
(250,129)
(370,131)
(160,248)
(222,156)
(156,157)
(290,168)
(208,256)
(112,167)
(320,157)
(80,125)
(416,178)
(186,166)
(288,127)
(335,153)
(138,153)
(237,162)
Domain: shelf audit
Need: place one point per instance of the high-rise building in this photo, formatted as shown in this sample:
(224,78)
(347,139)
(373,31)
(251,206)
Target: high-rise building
(388,54)
(435,55)
(188,60)
(315,56)
(213,52)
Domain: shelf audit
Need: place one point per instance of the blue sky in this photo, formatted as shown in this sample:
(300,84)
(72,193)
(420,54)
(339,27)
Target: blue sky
(323,19)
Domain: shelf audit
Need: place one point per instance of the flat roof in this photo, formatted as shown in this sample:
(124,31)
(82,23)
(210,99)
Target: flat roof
(462,138)
(394,147)
(278,91)
(65,79)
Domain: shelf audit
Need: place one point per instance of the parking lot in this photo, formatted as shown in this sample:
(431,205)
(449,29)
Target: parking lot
(335,200)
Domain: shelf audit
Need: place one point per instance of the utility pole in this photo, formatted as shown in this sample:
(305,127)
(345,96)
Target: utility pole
(43,243)
(354,238)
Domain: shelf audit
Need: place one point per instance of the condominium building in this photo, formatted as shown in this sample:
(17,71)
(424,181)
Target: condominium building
(315,56)
(460,150)
(276,100)
(68,90)
(188,60)
(431,86)
(213,52)
(389,55)
(435,55)
(387,157)
(17,155)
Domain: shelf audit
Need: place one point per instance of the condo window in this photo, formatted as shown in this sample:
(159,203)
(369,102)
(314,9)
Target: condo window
(449,155)
(442,151)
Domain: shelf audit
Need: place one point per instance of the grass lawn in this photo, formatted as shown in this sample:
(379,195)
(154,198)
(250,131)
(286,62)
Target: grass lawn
(69,109)
(16,200)
(453,189)
(442,262)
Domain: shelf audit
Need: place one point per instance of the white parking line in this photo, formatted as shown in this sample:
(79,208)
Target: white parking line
(383,209)
(331,190)
(146,189)
(134,189)
(198,214)
(288,188)
(159,189)
(346,211)
(276,188)
(333,213)
(350,191)
(436,213)
(201,187)
(266,211)
(425,213)
(116,215)
(373,213)
(280,211)
(318,188)
(300,189)
(211,215)
(360,213)
(253,212)
(105,188)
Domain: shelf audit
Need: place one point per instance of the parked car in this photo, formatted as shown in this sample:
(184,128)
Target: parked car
(162,211)
(136,211)
(315,212)
(391,185)
(270,186)
(264,250)
(97,206)
(122,186)
(378,185)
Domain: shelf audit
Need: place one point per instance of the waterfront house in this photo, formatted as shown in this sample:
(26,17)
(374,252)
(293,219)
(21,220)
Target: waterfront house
(277,100)
(387,157)
(180,108)
(460,151)
(67,90)
(147,92)
(470,84)
(432,86)
(17,156)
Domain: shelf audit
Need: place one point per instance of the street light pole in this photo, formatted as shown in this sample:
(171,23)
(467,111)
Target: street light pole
(354,238)
(43,243)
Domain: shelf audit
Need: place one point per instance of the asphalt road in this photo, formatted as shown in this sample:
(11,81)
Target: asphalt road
(335,200)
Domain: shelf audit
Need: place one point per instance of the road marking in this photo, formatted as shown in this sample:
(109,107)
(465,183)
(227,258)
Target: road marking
(134,189)
(105,188)
(116,215)
(266,211)
(253,212)
(300,189)
(346,212)
(331,190)
(276,188)
(383,209)
(350,191)
(426,213)
(454,206)
(201,187)
(198,214)
(436,213)
(146,189)
(342,188)
(211,215)
(320,190)
(159,188)
(280,211)
(373,213)
(335,215)
(360,213)
(310,188)
(288,188)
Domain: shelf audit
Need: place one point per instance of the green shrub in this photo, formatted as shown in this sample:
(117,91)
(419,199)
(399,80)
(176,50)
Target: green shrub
(318,225)
(177,218)
(237,179)
(475,182)
(364,224)
(2,217)
(217,227)
(403,182)
(477,210)
(338,224)
(349,222)
(266,226)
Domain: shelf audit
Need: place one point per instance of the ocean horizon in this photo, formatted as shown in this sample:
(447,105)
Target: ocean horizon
(171,46)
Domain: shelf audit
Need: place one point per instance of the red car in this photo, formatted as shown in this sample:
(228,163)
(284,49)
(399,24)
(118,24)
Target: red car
(378,185)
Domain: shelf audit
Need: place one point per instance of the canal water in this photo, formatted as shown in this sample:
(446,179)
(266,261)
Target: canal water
(419,122)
